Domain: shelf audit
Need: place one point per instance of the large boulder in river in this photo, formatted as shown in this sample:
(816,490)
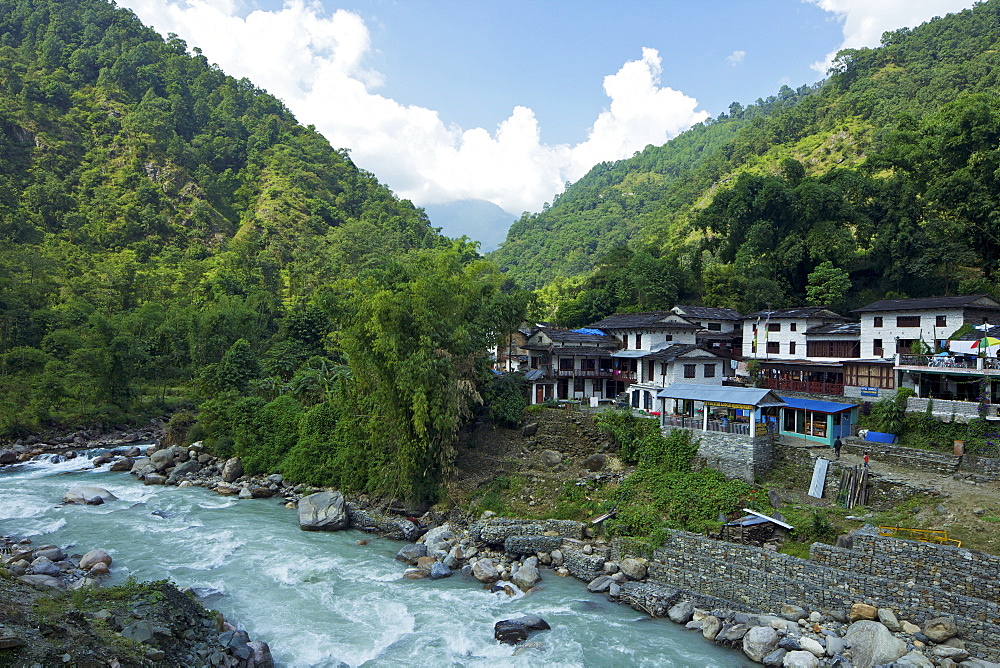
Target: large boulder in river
(527,575)
(323,511)
(88,560)
(163,459)
(232,470)
(872,644)
(91,496)
(181,470)
(8,456)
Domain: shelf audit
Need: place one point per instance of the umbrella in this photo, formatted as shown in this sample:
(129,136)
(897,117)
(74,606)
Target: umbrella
(985,342)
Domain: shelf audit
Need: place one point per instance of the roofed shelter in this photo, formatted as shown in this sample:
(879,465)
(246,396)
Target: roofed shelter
(736,410)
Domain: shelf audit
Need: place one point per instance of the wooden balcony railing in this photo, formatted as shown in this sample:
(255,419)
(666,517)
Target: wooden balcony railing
(808,386)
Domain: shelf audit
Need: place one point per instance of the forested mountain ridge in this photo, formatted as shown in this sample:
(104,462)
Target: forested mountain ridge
(741,210)
(171,238)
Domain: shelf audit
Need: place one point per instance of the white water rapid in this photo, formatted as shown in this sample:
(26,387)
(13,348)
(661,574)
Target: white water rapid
(321,599)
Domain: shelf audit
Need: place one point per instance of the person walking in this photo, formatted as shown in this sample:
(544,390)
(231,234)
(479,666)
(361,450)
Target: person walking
(837,445)
(866,460)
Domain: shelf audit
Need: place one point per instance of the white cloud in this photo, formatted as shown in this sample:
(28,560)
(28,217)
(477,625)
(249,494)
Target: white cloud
(315,63)
(864,21)
(736,57)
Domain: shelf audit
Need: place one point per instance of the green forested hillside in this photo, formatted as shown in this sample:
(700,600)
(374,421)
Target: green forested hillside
(171,237)
(831,188)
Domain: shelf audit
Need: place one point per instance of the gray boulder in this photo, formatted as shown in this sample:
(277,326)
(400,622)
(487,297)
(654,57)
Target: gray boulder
(800,659)
(485,571)
(90,496)
(154,479)
(232,470)
(181,470)
(510,632)
(161,460)
(793,612)
(710,627)
(50,553)
(7,457)
(872,644)
(44,566)
(599,584)
(550,458)
(775,658)
(43,581)
(260,654)
(323,511)
(940,629)
(759,642)
(888,618)
(410,553)
(527,576)
(595,462)
(681,613)
(634,569)
(123,464)
(439,570)
(914,659)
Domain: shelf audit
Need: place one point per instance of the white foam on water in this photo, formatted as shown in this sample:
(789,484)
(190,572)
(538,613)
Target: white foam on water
(41,527)
(216,504)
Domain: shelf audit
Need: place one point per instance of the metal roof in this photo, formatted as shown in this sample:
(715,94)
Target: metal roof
(648,320)
(679,350)
(817,406)
(707,313)
(747,396)
(838,328)
(799,312)
(632,353)
(962,301)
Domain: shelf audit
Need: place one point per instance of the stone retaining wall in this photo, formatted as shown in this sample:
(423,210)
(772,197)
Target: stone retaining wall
(735,455)
(585,567)
(761,581)
(883,494)
(496,530)
(390,526)
(943,463)
(943,409)
(988,466)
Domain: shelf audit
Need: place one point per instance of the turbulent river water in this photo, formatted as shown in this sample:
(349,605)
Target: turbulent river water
(321,599)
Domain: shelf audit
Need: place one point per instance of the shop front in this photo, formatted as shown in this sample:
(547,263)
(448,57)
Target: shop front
(821,422)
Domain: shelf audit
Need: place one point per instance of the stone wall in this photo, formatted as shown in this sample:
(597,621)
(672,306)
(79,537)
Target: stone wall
(761,580)
(944,463)
(944,410)
(735,455)
(987,466)
(798,461)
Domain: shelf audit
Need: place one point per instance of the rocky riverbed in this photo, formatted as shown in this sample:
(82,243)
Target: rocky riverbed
(508,555)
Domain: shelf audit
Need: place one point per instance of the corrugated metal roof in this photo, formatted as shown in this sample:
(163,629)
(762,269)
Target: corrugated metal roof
(800,312)
(631,353)
(962,301)
(747,396)
(648,320)
(708,313)
(817,406)
(838,328)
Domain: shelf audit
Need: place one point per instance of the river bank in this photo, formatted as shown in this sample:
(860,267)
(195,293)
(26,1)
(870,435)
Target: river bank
(509,556)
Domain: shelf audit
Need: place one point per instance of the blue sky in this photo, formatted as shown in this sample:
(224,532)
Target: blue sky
(506,101)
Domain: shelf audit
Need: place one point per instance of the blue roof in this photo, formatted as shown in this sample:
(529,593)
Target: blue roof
(589,330)
(818,406)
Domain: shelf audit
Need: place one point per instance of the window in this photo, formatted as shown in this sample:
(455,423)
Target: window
(565,363)
(792,326)
(877,321)
(791,347)
(772,347)
(638,340)
(578,385)
(833,349)
(649,370)
(624,340)
(715,326)
(588,365)
(869,375)
(709,371)
(668,337)
(907,321)
(774,326)
(647,400)
(663,368)
(689,370)
(877,349)
(941,321)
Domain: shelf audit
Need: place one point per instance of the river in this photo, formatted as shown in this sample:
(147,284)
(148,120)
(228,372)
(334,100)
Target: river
(321,599)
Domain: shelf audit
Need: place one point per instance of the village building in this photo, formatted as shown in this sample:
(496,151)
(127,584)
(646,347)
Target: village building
(573,365)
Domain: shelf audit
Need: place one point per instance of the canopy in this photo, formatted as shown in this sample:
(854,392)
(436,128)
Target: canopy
(720,394)
(817,406)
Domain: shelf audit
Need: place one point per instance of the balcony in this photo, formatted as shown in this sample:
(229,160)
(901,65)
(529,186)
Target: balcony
(585,373)
(961,365)
(807,386)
